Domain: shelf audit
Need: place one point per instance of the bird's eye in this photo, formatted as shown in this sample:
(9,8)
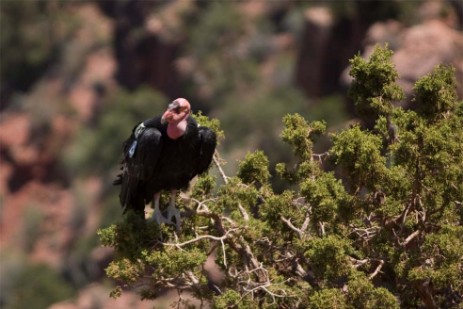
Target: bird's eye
(174,107)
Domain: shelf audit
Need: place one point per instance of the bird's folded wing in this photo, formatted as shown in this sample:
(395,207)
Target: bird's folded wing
(146,155)
(139,167)
(208,142)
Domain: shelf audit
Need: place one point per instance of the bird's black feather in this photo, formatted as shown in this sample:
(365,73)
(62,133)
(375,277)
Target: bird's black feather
(208,142)
(160,163)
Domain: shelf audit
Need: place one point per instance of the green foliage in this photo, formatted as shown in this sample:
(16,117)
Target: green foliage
(299,134)
(213,124)
(26,284)
(325,194)
(229,299)
(373,88)
(125,270)
(327,299)
(329,257)
(357,152)
(363,294)
(28,41)
(436,92)
(374,222)
(254,168)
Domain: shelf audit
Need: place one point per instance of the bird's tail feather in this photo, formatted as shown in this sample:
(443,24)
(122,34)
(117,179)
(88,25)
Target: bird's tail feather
(118,180)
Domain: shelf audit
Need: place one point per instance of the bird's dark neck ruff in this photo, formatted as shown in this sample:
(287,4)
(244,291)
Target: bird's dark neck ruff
(178,129)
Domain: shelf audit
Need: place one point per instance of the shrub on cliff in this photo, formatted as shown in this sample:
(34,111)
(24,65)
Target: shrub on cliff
(379,228)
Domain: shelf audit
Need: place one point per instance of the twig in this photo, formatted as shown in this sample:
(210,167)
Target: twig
(320,155)
(410,238)
(243,212)
(377,270)
(358,263)
(264,287)
(405,213)
(224,254)
(305,225)
(322,228)
(291,226)
(221,238)
(202,204)
(179,298)
(366,233)
(192,277)
(215,157)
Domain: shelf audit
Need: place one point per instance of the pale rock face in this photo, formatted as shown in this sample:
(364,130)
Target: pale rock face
(423,47)
(417,50)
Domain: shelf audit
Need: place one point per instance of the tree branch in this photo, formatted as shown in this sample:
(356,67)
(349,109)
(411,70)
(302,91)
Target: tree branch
(305,224)
(377,270)
(322,228)
(320,156)
(216,158)
(291,226)
(410,238)
(243,212)
(358,263)
(221,238)
(365,233)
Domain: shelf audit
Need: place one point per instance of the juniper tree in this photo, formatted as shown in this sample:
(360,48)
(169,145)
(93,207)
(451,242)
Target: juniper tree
(373,222)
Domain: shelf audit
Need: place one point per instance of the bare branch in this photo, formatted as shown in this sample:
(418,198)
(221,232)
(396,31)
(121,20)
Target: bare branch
(377,270)
(358,263)
(291,226)
(221,238)
(305,225)
(320,156)
(224,255)
(365,233)
(322,228)
(405,213)
(216,158)
(243,212)
(410,238)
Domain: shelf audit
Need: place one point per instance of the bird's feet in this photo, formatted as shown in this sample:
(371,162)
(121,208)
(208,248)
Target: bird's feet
(158,217)
(172,211)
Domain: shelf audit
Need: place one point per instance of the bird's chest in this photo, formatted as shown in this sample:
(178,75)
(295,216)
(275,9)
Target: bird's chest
(178,155)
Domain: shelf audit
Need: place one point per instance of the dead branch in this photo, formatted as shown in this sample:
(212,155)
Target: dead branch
(410,238)
(291,226)
(358,263)
(322,228)
(216,158)
(305,224)
(377,270)
(221,238)
(320,156)
(243,212)
(365,233)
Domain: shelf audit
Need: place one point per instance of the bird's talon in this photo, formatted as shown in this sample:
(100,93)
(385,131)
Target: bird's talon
(175,213)
(158,218)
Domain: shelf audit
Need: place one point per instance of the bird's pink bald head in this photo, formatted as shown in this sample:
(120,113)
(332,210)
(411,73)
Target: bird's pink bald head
(177,111)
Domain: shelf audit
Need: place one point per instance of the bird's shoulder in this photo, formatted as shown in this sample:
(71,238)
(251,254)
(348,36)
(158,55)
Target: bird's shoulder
(155,123)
